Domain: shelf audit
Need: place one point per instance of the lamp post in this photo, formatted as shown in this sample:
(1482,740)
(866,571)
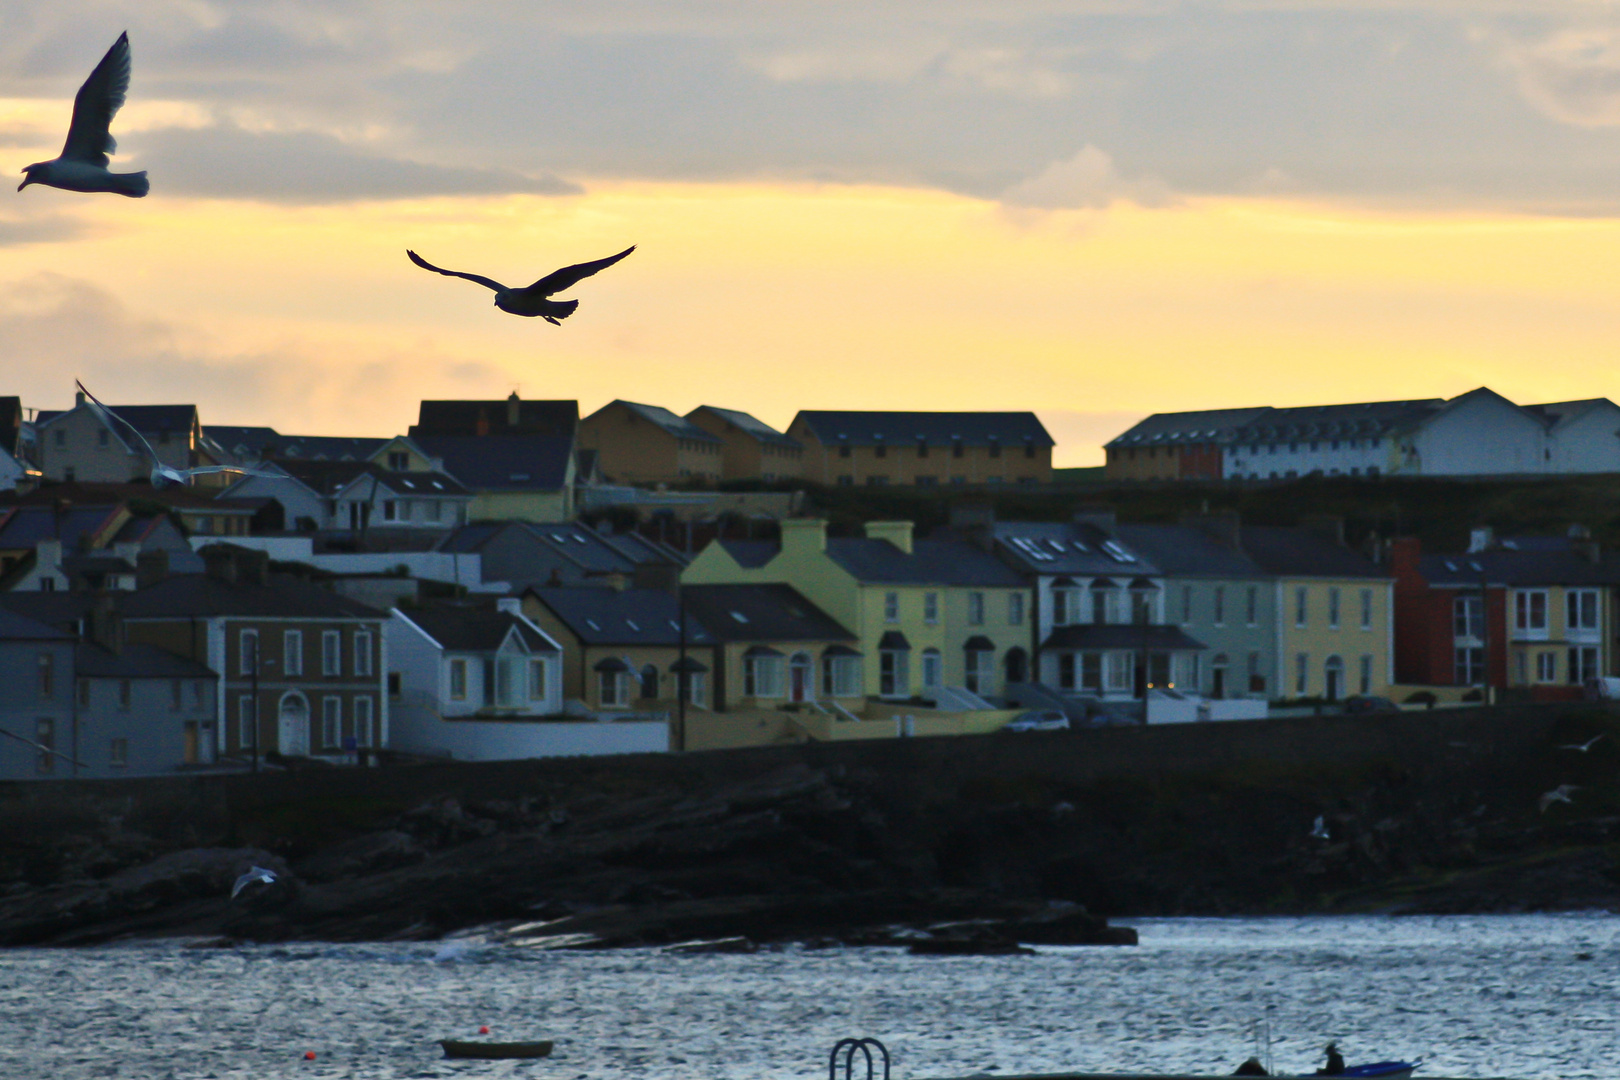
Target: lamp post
(254,676)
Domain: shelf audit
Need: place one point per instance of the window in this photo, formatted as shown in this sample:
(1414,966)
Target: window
(696,688)
(47,675)
(891,607)
(1091,672)
(1066,671)
(1015,609)
(1583,663)
(763,676)
(1366,609)
(1251,605)
(1468,618)
(930,609)
(1220,605)
(975,609)
(390,510)
(246,714)
(247,652)
(1186,603)
(841,676)
(398,461)
(1530,612)
(979,665)
(45,736)
(1257,680)
(331,652)
(433,509)
(1469,666)
(396,684)
(537,680)
(331,722)
(614,687)
(1333,608)
(1547,667)
(1065,606)
(933,669)
(362,652)
(1366,675)
(1581,609)
(126,694)
(118,754)
(1121,672)
(1302,673)
(894,678)
(363,707)
(1300,608)
(292,652)
(458,680)
(843,451)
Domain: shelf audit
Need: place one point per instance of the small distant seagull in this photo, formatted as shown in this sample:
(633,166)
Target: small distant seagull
(1585,746)
(162,475)
(532,301)
(1561,793)
(258,873)
(1319,831)
(82,165)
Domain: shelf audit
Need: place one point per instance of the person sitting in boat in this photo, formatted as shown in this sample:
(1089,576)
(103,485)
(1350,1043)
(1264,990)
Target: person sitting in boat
(1335,1062)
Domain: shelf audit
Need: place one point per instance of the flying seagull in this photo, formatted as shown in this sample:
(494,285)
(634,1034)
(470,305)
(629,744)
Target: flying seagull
(1561,793)
(533,300)
(1319,831)
(1585,746)
(162,475)
(82,165)
(258,873)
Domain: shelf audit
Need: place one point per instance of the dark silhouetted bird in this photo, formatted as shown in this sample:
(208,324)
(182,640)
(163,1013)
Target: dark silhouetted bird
(534,300)
(82,165)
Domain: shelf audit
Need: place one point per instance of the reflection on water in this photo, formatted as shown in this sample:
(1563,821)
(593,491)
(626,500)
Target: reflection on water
(1474,996)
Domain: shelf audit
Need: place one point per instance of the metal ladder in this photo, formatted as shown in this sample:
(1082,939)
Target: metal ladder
(849,1047)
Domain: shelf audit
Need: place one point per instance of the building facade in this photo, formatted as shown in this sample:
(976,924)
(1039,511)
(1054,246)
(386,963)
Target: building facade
(923,449)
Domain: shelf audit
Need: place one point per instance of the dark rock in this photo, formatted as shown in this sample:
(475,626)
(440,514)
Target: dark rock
(367,854)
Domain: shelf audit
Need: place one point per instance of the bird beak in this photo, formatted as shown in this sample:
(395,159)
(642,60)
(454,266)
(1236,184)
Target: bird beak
(26,181)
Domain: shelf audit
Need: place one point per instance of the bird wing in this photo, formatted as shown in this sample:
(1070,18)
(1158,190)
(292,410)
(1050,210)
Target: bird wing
(117,423)
(102,95)
(558,280)
(205,469)
(488,283)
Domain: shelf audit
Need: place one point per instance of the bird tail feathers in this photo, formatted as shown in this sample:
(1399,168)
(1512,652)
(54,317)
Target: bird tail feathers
(135,185)
(561,309)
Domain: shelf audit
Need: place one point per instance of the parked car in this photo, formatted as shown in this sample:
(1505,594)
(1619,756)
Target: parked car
(1367,703)
(1039,720)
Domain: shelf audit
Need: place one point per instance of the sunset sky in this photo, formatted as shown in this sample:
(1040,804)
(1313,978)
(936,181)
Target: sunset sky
(1095,210)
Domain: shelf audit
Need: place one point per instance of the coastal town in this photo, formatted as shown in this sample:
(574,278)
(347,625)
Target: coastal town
(505,579)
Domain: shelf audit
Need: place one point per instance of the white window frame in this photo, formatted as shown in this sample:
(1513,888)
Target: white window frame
(292,652)
(1302,607)
(1546,666)
(896,681)
(975,608)
(1530,614)
(1119,672)
(1302,674)
(933,669)
(930,608)
(765,677)
(1015,609)
(365,710)
(246,657)
(1366,674)
(1366,609)
(891,607)
(1252,606)
(247,712)
(613,687)
(1581,613)
(539,678)
(362,652)
(331,652)
(1333,607)
(457,665)
(332,722)
(841,676)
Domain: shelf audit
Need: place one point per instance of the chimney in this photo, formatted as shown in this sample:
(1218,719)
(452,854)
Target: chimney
(253,567)
(804,534)
(512,605)
(1224,526)
(1100,517)
(106,628)
(78,398)
(1481,538)
(1328,527)
(1404,553)
(151,567)
(48,556)
(897,533)
(512,410)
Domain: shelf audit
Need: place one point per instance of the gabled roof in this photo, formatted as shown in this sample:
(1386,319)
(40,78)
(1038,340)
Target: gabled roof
(931,562)
(760,613)
(621,616)
(1554,413)
(188,595)
(25,526)
(14,627)
(426,484)
(472,629)
(1188,551)
(557,419)
(1298,552)
(137,660)
(577,544)
(1370,419)
(1524,561)
(324,448)
(510,463)
(146,419)
(750,553)
(749,425)
(662,418)
(1066,548)
(932,428)
(1203,426)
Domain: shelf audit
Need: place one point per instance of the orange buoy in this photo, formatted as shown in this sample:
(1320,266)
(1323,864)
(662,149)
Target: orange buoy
(309,1055)
(484,1030)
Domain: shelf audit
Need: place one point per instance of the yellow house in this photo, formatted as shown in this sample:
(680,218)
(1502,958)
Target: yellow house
(1335,615)
(753,450)
(923,449)
(647,444)
(934,619)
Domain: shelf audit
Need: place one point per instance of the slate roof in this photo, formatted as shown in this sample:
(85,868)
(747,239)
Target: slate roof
(1163,638)
(577,544)
(185,595)
(1553,413)
(324,448)
(25,526)
(328,478)
(1188,551)
(510,463)
(932,562)
(933,428)
(146,419)
(768,613)
(1066,548)
(467,629)
(752,426)
(678,426)
(136,661)
(1362,420)
(1202,426)
(556,419)
(62,610)
(1296,552)
(15,627)
(1533,561)
(621,616)
(750,553)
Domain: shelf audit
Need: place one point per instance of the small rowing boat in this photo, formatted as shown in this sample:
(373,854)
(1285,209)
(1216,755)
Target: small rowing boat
(495,1051)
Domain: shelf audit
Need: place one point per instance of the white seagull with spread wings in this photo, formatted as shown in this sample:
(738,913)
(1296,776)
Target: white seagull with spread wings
(162,475)
(258,874)
(532,301)
(82,165)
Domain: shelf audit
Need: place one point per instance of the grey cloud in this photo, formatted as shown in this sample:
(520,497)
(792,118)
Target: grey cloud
(43,229)
(304,167)
(1572,75)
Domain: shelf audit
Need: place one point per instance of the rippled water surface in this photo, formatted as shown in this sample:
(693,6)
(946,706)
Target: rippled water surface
(1495,996)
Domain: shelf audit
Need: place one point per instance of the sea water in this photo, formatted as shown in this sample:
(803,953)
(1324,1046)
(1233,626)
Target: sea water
(1517,996)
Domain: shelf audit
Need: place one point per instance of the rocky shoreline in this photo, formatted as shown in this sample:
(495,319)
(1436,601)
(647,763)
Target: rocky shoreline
(947,846)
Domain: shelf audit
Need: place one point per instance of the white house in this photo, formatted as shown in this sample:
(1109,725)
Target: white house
(476,684)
